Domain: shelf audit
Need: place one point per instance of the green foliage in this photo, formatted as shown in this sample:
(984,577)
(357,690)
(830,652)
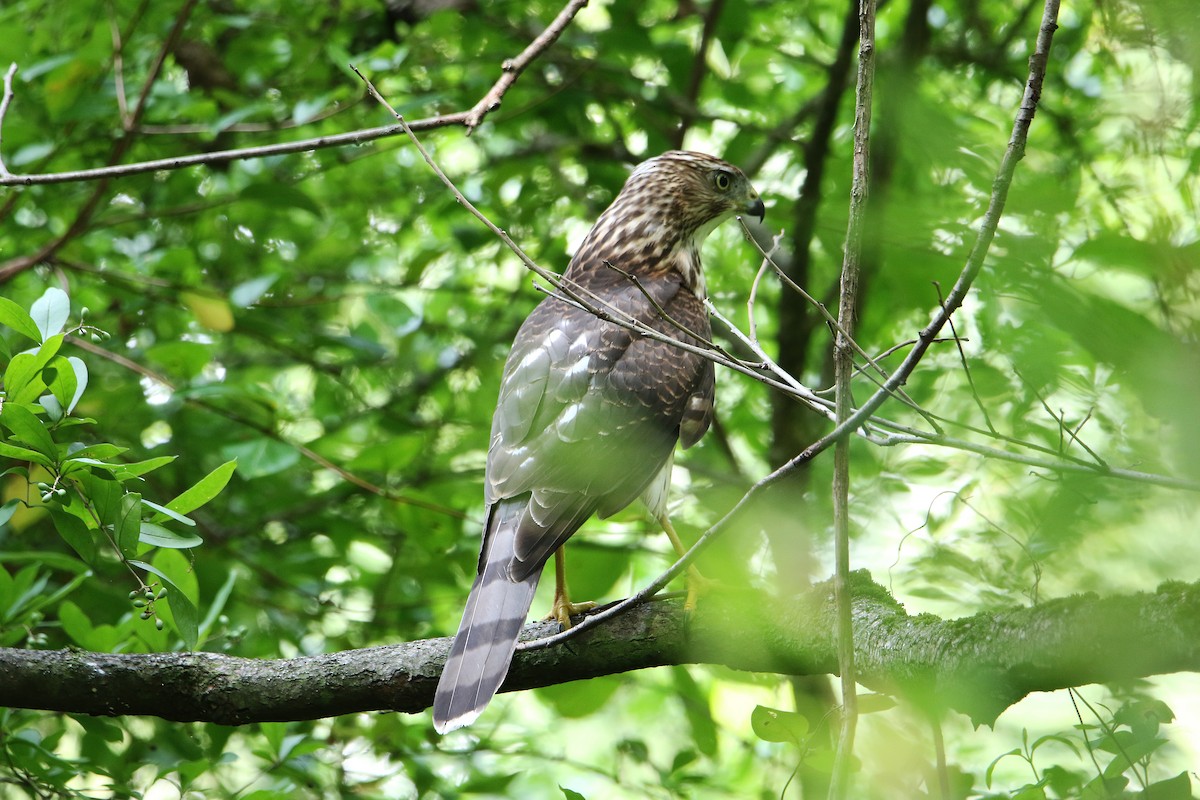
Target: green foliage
(276,447)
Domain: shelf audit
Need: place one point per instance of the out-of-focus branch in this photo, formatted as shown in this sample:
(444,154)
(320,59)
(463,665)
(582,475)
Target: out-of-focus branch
(977,665)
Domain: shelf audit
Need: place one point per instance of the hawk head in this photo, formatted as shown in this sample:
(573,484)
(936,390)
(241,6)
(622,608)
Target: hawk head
(659,220)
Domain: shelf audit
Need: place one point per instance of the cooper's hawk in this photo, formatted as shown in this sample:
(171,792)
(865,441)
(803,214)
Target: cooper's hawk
(589,411)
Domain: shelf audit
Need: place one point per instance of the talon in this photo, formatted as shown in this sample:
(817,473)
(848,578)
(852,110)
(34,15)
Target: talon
(563,608)
(698,585)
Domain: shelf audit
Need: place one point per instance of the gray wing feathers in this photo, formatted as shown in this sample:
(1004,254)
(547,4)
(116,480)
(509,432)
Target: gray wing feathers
(487,635)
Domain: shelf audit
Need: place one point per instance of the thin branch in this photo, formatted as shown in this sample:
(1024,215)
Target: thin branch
(843,351)
(751,322)
(513,67)
(836,326)
(962,357)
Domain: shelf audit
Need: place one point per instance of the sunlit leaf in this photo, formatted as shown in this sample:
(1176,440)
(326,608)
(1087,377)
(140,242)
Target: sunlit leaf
(50,312)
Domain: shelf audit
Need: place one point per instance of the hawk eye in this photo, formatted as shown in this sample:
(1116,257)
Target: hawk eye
(723,180)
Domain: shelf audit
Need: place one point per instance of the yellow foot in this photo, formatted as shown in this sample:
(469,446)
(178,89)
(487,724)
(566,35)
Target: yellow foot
(564,608)
(697,586)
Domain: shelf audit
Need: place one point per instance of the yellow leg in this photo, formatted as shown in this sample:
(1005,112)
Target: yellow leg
(563,607)
(697,584)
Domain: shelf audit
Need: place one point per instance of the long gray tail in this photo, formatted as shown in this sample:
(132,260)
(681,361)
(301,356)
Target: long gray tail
(487,635)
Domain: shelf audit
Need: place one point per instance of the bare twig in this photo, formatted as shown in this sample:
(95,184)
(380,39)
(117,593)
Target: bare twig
(962,357)
(513,67)
(751,322)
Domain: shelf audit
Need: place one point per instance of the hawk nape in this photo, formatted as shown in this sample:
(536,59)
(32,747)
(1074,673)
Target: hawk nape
(589,411)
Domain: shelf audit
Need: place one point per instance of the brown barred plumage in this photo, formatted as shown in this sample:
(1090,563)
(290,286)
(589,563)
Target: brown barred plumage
(589,412)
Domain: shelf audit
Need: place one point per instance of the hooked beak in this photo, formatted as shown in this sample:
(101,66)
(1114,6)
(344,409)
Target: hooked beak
(755,208)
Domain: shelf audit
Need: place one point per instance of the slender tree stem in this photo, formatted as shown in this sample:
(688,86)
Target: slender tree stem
(844,400)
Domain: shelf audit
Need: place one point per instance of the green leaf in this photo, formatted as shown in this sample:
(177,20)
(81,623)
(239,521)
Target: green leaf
(24,454)
(8,509)
(105,495)
(570,794)
(81,381)
(1176,788)
(261,457)
(204,489)
(50,312)
(175,515)
(28,430)
(129,526)
(50,404)
(24,380)
(139,468)
(776,725)
(75,533)
(158,536)
(18,319)
(63,385)
(101,450)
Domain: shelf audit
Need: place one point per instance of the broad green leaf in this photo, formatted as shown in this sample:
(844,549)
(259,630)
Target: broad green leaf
(23,378)
(776,725)
(158,536)
(63,385)
(139,468)
(101,451)
(23,454)
(260,457)
(50,404)
(50,312)
(28,430)
(15,317)
(129,525)
(104,495)
(204,489)
(75,533)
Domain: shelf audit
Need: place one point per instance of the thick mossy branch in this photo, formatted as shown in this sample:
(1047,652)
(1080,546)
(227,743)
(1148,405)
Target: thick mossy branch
(978,665)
